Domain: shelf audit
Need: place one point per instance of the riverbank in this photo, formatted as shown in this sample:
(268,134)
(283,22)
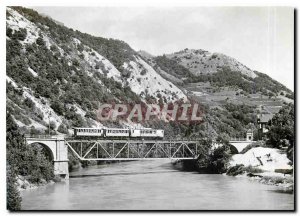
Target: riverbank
(285,183)
(24,184)
(266,165)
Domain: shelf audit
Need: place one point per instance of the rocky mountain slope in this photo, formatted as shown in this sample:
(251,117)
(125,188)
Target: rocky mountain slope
(59,70)
(204,62)
(57,76)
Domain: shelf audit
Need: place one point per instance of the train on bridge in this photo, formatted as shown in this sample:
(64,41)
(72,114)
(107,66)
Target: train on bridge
(118,133)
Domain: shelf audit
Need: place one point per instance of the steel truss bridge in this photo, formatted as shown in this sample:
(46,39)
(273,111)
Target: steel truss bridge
(109,150)
(113,150)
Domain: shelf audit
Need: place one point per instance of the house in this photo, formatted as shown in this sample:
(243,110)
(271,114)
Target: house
(262,121)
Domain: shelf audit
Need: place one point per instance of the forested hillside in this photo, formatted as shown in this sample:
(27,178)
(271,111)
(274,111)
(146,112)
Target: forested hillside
(59,74)
(57,77)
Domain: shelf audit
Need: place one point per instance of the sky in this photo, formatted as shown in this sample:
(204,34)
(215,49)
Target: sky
(262,38)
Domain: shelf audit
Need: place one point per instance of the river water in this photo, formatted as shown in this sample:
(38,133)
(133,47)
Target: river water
(153,185)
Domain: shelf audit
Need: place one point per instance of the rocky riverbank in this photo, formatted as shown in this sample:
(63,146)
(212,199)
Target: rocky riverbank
(24,184)
(285,183)
(266,165)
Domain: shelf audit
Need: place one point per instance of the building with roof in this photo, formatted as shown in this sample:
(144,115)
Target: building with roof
(262,121)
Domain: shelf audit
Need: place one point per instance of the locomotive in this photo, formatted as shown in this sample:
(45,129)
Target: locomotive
(118,133)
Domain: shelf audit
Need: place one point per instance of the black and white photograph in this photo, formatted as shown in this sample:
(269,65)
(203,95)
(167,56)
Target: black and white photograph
(117,108)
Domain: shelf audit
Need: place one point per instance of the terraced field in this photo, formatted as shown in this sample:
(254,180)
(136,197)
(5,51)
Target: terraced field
(214,96)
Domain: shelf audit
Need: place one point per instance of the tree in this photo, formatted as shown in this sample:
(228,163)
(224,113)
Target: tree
(223,138)
(58,107)
(13,198)
(62,129)
(40,41)
(20,35)
(219,159)
(23,159)
(213,160)
(281,129)
(29,103)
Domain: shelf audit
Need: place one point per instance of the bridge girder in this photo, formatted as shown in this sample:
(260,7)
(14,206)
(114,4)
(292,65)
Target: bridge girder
(109,150)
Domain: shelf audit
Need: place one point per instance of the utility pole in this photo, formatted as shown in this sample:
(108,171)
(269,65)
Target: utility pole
(49,122)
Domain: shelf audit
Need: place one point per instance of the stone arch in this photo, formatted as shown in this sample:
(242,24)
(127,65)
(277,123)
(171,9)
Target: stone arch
(240,145)
(58,151)
(48,148)
(233,149)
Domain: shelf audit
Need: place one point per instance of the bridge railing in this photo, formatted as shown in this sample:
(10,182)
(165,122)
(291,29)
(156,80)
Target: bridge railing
(44,136)
(238,139)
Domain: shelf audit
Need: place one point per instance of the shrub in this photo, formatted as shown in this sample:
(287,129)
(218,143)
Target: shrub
(75,62)
(251,169)
(9,32)
(125,73)
(13,198)
(223,138)
(240,169)
(20,35)
(52,125)
(34,131)
(63,129)
(236,170)
(281,128)
(29,103)
(26,160)
(53,48)
(58,107)
(143,72)
(214,162)
(40,41)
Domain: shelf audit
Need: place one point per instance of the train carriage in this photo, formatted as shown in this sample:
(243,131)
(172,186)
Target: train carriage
(116,132)
(89,132)
(147,133)
(119,133)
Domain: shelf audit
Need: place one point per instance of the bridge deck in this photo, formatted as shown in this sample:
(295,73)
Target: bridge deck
(130,140)
(137,159)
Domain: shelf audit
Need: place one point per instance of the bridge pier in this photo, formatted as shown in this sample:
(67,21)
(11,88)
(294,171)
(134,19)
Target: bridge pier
(59,151)
(61,161)
(61,168)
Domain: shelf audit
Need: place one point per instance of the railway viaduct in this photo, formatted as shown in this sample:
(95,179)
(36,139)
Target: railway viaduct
(112,150)
(120,150)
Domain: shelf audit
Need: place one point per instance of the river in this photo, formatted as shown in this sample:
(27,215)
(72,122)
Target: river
(153,185)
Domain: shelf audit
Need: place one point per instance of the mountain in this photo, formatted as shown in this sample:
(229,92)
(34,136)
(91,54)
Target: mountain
(218,71)
(61,71)
(57,76)
(203,62)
